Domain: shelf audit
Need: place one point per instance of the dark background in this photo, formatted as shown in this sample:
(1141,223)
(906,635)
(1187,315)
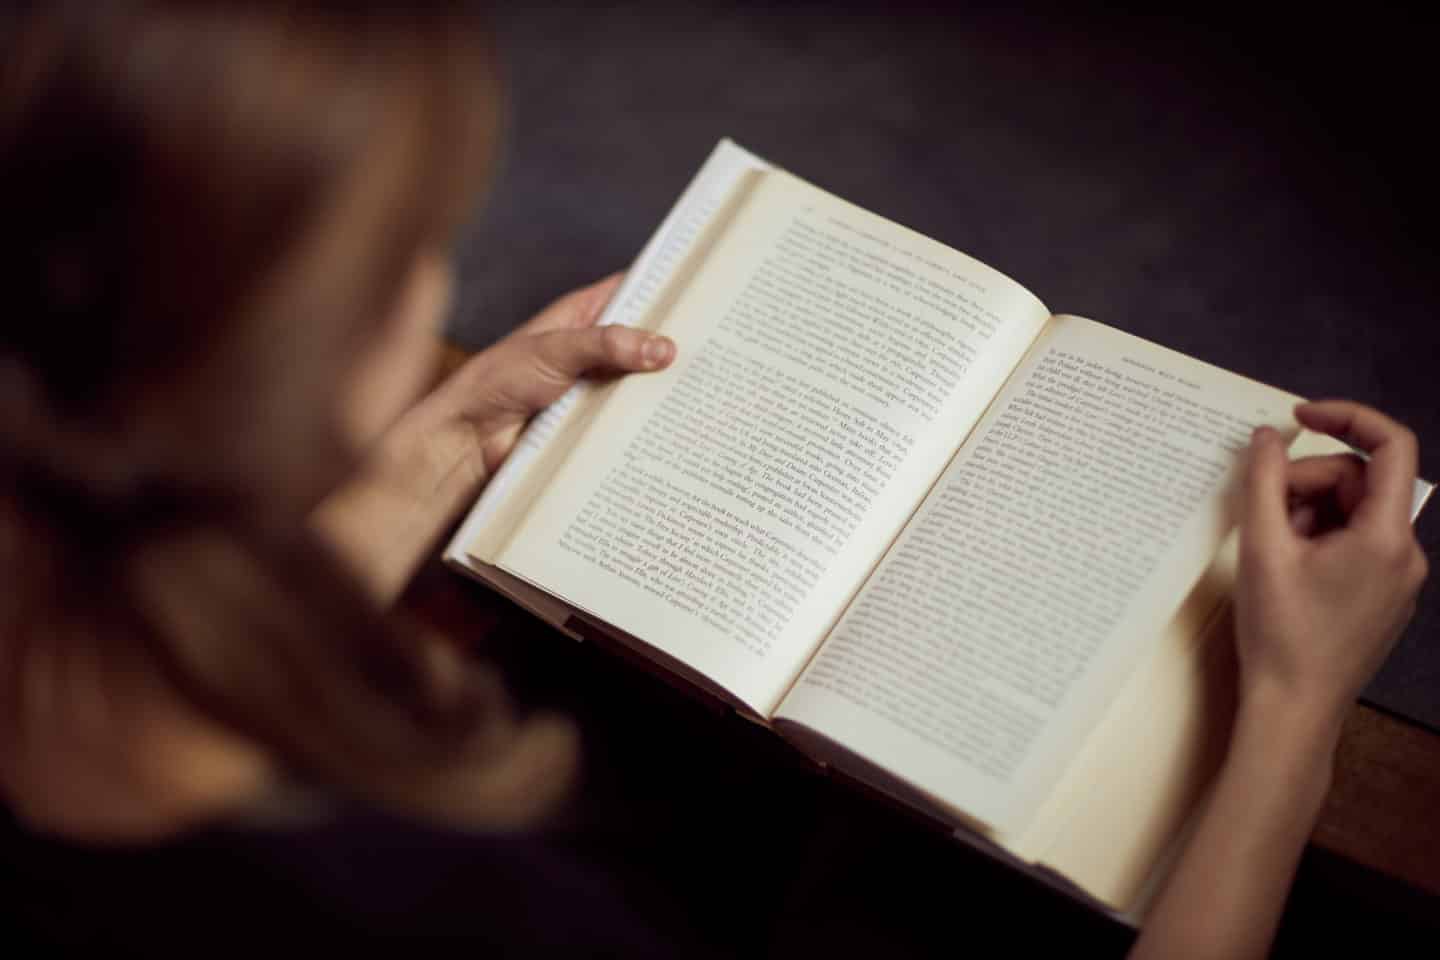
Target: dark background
(1255,190)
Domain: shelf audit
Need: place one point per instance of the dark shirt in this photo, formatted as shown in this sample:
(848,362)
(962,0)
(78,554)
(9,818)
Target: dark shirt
(359,875)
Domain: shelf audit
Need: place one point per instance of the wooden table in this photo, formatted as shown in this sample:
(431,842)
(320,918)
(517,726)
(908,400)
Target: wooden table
(1383,811)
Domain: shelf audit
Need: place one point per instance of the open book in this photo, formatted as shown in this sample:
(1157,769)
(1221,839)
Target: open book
(964,549)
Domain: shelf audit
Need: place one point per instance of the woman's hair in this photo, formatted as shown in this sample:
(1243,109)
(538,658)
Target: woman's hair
(210,208)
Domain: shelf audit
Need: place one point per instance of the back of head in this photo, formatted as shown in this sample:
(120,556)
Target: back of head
(203,197)
(211,208)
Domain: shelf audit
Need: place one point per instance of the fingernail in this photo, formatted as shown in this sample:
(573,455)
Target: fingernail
(1261,434)
(657,351)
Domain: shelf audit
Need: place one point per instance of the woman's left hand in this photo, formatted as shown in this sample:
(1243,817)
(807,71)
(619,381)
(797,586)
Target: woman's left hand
(435,460)
(497,391)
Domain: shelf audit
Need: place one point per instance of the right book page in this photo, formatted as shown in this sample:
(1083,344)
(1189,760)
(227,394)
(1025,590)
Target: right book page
(1123,806)
(1042,567)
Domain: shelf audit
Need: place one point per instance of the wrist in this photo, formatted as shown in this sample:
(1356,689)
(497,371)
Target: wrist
(1287,742)
(1272,710)
(412,487)
(430,457)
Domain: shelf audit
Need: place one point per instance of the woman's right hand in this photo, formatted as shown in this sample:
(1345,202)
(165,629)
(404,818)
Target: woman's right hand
(1317,607)
(1318,610)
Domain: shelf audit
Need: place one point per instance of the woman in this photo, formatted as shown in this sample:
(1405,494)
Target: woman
(228,230)
(281,217)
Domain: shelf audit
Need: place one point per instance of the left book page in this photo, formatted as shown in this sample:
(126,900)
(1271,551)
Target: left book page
(725,510)
(508,493)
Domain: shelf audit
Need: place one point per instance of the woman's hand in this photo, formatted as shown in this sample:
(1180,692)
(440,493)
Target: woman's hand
(434,461)
(1329,569)
(1319,605)
(497,391)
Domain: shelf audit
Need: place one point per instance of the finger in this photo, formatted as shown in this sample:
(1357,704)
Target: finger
(578,308)
(569,354)
(1393,450)
(550,363)
(1265,522)
(1342,474)
(1303,519)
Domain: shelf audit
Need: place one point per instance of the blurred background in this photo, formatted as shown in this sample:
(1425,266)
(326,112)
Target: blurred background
(1255,190)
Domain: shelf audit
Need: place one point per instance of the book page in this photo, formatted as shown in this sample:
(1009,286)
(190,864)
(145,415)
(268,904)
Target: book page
(1050,555)
(829,364)
(1118,811)
(497,511)
(1123,805)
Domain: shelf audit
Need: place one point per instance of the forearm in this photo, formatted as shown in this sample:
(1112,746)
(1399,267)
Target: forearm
(389,517)
(1226,894)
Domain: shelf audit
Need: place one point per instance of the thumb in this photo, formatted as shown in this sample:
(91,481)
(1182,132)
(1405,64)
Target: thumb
(578,308)
(551,362)
(1265,520)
